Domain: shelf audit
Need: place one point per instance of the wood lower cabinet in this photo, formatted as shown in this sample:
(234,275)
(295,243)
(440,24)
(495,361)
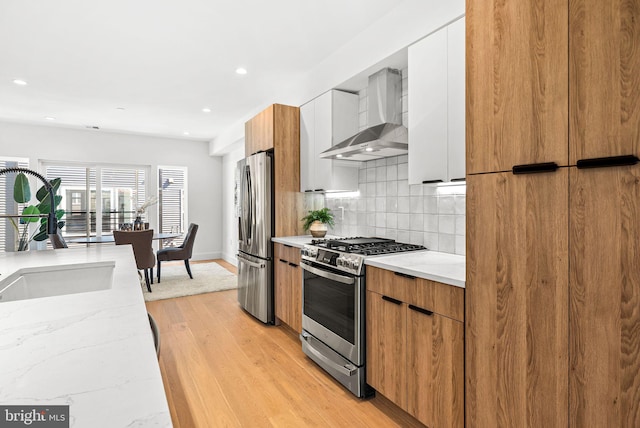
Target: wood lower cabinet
(605,297)
(288,285)
(415,346)
(386,347)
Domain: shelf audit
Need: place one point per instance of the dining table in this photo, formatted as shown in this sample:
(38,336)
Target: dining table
(105,239)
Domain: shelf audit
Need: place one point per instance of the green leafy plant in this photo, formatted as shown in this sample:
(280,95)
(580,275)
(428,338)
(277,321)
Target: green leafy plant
(322,215)
(22,195)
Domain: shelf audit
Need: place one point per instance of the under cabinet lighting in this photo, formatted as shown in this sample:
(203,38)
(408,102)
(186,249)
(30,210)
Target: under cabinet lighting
(342,194)
(368,149)
(185,133)
(20,82)
(241,70)
(206,110)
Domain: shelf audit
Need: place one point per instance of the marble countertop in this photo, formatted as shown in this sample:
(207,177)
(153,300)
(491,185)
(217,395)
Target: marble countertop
(298,241)
(92,351)
(435,266)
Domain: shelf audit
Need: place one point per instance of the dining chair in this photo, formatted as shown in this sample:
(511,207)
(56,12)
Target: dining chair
(142,250)
(183,252)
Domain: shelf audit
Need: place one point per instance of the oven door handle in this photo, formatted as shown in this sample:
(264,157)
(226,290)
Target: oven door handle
(328,275)
(348,370)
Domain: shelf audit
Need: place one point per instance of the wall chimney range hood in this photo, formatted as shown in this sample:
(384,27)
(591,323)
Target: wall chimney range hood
(385,135)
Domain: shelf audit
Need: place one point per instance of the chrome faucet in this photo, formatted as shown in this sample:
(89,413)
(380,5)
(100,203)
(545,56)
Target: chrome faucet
(52,221)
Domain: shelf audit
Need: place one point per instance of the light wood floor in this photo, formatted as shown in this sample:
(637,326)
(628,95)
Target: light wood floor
(223,368)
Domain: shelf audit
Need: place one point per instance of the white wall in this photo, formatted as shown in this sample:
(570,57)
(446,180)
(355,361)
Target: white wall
(39,143)
(229,220)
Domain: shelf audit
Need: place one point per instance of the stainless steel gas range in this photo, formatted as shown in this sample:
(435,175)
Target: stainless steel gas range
(333,304)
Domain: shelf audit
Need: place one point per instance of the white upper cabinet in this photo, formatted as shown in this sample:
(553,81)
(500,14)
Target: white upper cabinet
(436,106)
(324,121)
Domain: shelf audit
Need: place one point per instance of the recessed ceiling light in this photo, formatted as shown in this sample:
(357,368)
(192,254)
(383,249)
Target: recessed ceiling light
(19,82)
(241,70)
(338,155)
(185,133)
(368,149)
(206,110)
(50,118)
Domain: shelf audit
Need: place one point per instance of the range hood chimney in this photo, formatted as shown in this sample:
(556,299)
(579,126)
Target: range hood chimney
(385,135)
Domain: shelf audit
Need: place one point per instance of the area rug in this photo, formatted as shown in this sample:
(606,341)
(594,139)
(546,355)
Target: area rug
(207,278)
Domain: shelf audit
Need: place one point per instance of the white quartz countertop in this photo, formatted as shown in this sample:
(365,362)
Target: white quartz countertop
(441,267)
(92,351)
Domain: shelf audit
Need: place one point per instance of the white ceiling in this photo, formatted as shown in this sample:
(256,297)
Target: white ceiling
(163,61)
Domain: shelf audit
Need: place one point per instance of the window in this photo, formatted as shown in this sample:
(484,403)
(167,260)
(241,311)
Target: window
(7,231)
(172,184)
(122,190)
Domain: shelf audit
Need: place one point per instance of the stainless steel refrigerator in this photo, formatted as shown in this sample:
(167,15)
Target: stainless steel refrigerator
(255,229)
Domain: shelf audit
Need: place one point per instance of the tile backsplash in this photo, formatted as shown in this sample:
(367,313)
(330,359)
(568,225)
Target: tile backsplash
(387,206)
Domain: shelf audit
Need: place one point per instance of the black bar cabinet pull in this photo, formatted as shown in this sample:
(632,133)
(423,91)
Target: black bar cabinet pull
(392,300)
(404,275)
(606,162)
(431,181)
(534,168)
(283,261)
(319,190)
(459,179)
(293,265)
(309,190)
(421,310)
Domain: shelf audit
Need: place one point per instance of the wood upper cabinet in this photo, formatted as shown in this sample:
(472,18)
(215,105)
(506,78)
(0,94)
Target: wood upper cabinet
(277,128)
(517,300)
(517,85)
(604,78)
(605,297)
(259,132)
(288,285)
(415,346)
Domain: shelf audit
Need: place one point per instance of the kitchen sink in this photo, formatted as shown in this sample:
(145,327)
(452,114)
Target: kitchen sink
(49,281)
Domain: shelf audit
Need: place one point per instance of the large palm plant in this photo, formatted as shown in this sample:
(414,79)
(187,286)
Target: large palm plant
(22,195)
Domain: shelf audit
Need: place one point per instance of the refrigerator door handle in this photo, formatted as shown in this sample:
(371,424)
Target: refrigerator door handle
(250,204)
(250,263)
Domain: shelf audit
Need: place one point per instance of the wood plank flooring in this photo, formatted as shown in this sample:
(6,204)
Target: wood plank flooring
(223,368)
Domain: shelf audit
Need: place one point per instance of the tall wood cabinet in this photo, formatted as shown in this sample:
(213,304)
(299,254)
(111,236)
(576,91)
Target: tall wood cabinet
(553,257)
(277,128)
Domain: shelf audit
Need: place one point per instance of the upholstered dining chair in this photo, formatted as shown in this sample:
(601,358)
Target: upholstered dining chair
(183,252)
(142,250)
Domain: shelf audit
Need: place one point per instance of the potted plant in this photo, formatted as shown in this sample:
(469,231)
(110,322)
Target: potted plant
(317,221)
(22,195)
